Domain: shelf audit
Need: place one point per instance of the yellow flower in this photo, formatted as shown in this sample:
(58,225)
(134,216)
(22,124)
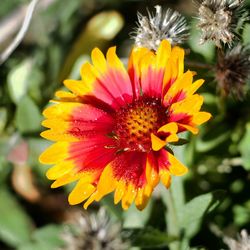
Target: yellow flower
(111,130)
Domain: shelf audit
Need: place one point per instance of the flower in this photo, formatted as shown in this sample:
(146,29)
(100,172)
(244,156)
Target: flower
(93,231)
(168,24)
(233,71)
(218,20)
(112,128)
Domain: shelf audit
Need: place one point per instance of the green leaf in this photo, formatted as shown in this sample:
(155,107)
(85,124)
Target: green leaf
(45,238)
(18,79)
(35,82)
(3,119)
(34,245)
(50,234)
(15,225)
(108,203)
(241,215)
(193,211)
(245,35)
(180,142)
(207,145)
(28,117)
(244,148)
(134,218)
(148,237)
(5,169)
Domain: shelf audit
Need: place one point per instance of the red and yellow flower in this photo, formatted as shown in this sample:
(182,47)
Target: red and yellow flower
(112,129)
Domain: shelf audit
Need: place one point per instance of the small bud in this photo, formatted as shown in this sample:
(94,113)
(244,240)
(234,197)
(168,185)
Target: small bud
(233,71)
(219,20)
(167,24)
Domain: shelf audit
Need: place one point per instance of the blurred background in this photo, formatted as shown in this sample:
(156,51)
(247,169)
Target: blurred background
(60,37)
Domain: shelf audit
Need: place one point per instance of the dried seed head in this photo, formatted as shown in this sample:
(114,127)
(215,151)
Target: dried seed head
(233,71)
(167,24)
(219,20)
(93,232)
(242,243)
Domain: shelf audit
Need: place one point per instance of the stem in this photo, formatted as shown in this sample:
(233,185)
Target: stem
(172,219)
(20,35)
(173,228)
(199,65)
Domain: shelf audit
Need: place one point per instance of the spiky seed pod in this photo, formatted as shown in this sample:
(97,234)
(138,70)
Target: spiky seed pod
(165,24)
(233,71)
(94,232)
(219,20)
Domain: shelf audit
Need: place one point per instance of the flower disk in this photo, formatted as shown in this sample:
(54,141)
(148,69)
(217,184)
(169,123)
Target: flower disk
(111,129)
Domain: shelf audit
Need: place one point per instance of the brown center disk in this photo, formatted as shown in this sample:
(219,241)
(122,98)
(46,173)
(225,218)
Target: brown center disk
(136,122)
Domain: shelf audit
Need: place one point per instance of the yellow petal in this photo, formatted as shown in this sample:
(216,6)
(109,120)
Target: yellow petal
(114,61)
(157,143)
(90,200)
(163,54)
(61,110)
(89,75)
(107,182)
(151,174)
(196,85)
(148,190)
(179,54)
(78,87)
(192,129)
(201,117)
(189,105)
(119,192)
(141,199)
(56,124)
(99,60)
(55,153)
(129,196)
(176,167)
(59,170)
(148,60)
(182,83)
(58,135)
(172,138)
(135,57)
(66,179)
(165,178)
(171,128)
(81,192)
(64,94)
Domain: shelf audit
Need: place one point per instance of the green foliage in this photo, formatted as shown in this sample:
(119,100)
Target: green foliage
(28,116)
(244,148)
(15,224)
(47,238)
(137,219)
(192,212)
(149,238)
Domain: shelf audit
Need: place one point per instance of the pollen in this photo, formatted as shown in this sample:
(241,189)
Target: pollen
(136,122)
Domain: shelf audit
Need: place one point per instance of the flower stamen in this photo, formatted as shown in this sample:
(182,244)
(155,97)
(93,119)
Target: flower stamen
(136,122)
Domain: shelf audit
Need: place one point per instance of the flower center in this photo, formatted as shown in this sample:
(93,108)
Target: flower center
(136,122)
